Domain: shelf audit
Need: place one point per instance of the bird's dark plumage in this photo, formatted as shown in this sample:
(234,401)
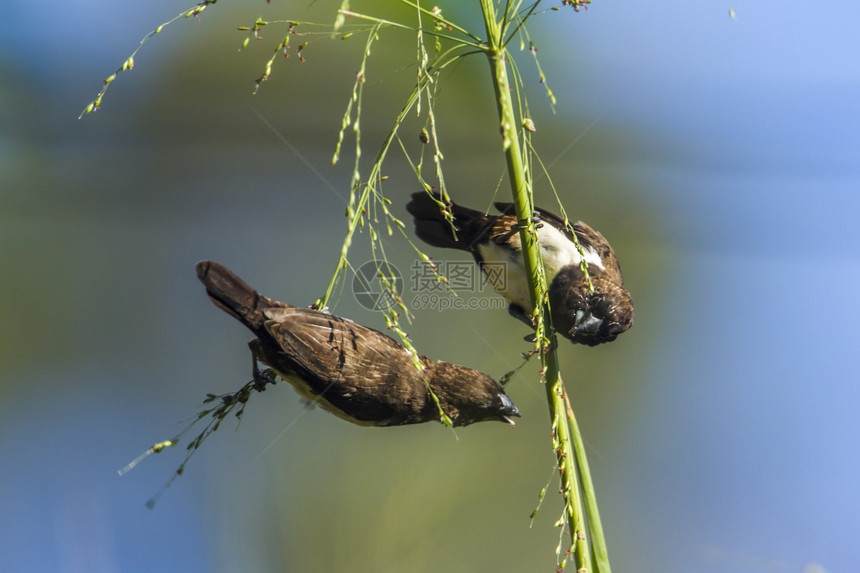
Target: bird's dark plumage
(582,316)
(355,372)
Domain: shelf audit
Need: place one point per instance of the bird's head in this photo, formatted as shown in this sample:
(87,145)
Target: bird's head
(586,317)
(468,396)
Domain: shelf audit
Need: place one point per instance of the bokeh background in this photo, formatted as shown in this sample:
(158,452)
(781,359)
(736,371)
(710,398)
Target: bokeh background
(719,154)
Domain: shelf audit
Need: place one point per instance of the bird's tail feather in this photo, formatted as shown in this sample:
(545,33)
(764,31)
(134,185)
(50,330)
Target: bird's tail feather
(433,228)
(233,295)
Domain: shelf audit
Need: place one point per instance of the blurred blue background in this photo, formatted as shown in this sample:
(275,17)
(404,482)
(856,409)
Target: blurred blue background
(720,155)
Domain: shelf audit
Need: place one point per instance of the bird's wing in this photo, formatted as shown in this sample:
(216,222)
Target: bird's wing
(501,234)
(333,348)
(588,237)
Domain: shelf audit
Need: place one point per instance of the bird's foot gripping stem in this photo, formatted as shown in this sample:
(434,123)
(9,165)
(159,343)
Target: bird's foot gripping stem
(517,227)
(262,376)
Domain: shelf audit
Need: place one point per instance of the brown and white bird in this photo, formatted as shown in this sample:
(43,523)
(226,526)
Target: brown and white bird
(355,372)
(584,317)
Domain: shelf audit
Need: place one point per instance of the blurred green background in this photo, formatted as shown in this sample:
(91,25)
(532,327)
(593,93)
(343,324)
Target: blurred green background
(718,154)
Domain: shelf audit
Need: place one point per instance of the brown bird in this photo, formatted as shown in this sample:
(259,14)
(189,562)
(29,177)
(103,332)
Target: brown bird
(355,372)
(580,315)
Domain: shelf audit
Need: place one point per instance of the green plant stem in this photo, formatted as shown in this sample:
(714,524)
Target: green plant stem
(563,442)
(599,554)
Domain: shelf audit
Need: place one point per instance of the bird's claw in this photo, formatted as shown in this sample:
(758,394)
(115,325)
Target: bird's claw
(517,227)
(263,377)
(535,218)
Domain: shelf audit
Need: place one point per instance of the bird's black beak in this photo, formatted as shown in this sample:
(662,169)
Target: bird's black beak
(509,410)
(585,324)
